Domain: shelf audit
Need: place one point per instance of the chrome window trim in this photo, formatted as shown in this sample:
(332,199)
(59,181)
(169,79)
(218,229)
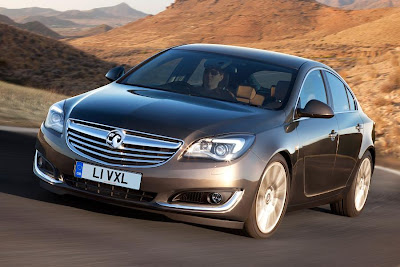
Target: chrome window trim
(350,111)
(85,156)
(229,205)
(357,108)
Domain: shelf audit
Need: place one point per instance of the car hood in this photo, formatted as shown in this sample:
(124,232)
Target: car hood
(166,113)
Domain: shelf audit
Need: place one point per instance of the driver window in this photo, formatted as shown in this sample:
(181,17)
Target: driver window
(313,88)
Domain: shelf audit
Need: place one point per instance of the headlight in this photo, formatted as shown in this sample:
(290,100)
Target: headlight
(55,117)
(222,148)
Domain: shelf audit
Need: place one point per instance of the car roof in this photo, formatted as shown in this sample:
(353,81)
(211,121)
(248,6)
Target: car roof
(276,58)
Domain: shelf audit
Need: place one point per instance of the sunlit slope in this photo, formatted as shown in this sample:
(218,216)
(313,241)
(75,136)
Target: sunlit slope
(256,23)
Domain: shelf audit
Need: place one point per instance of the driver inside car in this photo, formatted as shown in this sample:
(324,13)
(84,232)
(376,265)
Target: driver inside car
(215,80)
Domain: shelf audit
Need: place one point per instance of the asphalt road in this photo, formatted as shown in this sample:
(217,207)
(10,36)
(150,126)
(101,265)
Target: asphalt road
(40,228)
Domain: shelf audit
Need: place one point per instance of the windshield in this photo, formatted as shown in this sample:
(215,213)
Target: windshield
(216,76)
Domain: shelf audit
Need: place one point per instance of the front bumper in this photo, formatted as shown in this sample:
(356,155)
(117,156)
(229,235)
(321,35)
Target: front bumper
(241,177)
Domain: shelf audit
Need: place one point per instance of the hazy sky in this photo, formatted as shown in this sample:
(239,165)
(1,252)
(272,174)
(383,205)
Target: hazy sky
(148,6)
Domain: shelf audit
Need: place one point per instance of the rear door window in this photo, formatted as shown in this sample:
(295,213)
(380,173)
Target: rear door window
(339,94)
(352,101)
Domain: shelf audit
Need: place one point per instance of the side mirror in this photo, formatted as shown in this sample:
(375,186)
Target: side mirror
(315,109)
(115,73)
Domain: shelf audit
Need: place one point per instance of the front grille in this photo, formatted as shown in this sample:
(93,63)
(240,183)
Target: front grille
(139,149)
(113,191)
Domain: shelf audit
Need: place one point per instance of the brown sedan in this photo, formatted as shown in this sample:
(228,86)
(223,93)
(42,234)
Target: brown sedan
(216,135)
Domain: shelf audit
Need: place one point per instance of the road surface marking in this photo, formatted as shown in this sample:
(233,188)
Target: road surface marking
(388,170)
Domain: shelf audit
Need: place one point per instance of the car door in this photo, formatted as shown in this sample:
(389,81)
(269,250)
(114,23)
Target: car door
(350,129)
(318,139)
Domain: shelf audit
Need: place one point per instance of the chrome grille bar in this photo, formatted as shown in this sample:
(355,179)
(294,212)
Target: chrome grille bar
(115,152)
(129,139)
(139,149)
(115,158)
(72,134)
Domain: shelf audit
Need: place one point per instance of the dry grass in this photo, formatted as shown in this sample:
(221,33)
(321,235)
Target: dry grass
(373,73)
(36,61)
(24,106)
(395,61)
(393,82)
(380,101)
(344,74)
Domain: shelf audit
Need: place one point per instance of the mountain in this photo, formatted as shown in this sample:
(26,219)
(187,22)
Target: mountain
(34,26)
(255,23)
(39,28)
(121,10)
(113,16)
(34,60)
(96,30)
(26,12)
(7,20)
(361,4)
(51,21)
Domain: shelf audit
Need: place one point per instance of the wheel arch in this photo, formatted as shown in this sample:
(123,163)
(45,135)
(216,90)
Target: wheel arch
(371,150)
(285,154)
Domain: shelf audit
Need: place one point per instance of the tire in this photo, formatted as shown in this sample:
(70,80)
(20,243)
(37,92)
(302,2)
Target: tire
(354,201)
(270,201)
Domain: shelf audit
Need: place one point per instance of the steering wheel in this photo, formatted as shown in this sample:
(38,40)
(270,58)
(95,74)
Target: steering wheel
(180,87)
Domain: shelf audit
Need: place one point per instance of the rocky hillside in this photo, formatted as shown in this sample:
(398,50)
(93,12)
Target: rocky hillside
(34,26)
(361,4)
(96,30)
(256,23)
(34,60)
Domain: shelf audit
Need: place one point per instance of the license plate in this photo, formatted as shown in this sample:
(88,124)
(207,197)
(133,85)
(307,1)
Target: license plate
(108,176)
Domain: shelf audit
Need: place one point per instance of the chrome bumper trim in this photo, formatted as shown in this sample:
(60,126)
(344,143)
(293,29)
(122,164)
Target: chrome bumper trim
(41,174)
(229,205)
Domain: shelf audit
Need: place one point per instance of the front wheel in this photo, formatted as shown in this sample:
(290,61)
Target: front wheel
(271,200)
(354,201)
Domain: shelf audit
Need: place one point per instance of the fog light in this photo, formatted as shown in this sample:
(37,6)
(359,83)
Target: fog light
(215,198)
(40,161)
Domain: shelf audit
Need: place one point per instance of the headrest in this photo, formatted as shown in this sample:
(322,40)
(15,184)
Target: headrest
(273,88)
(258,100)
(246,92)
(281,89)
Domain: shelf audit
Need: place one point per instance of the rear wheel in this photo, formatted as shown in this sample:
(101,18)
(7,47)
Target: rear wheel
(354,201)
(271,200)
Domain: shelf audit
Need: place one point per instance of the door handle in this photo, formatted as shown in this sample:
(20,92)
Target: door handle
(333,135)
(359,127)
